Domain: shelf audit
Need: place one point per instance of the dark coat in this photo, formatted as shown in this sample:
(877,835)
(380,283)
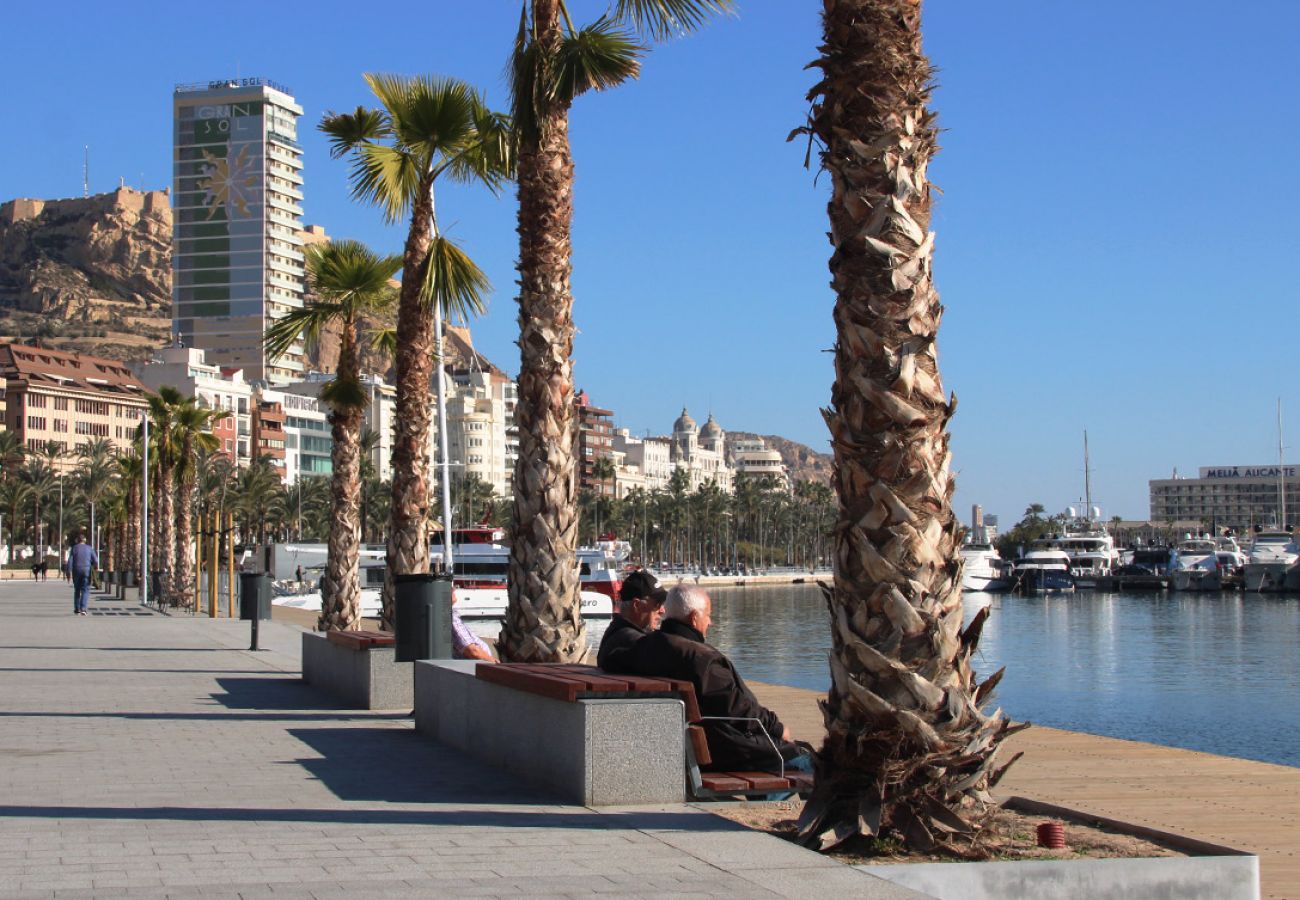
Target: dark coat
(677,650)
(620,637)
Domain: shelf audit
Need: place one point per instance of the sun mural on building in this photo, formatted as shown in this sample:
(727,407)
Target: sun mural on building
(227,182)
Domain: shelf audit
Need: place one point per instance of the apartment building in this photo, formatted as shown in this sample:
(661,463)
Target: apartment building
(69,399)
(595,442)
(480,416)
(753,458)
(215,387)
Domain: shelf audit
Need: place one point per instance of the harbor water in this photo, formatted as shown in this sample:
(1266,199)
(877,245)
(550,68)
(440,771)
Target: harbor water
(1218,673)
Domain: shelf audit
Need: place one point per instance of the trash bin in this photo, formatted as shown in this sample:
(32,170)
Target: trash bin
(423,606)
(254,596)
(129,578)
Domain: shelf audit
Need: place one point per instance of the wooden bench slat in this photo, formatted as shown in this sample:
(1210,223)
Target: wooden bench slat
(699,745)
(722,782)
(533,682)
(800,781)
(763,781)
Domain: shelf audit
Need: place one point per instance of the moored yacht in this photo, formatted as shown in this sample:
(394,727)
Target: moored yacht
(1195,566)
(984,569)
(1272,555)
(1091,551)
(1044,570)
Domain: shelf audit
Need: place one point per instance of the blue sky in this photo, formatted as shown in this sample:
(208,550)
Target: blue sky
(1117,239)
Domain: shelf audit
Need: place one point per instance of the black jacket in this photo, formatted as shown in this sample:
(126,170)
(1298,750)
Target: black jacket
(620,637)
(677,650)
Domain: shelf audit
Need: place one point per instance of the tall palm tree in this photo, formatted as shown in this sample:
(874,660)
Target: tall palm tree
(130,467)
(366,446)
(425,129)
(95,473)
(163,451)
(38,476)
(553,63)
(350,282)
(15,494)
(908,747)
(191,435)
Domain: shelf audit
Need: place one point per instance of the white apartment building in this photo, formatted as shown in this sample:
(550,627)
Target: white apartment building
(481,436)
(641,462)
(751,457)
(188,370)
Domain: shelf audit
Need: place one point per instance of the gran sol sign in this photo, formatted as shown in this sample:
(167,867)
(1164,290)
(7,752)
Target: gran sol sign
(1250,472)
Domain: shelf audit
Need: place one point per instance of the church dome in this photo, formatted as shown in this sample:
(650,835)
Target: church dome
(711,430)
(684,422)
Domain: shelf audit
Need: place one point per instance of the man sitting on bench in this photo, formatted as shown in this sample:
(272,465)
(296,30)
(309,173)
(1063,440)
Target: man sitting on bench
(678,650)
(640,607)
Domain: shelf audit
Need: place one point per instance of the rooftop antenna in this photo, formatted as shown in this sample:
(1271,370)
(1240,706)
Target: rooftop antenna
(85,174)
(1281,470)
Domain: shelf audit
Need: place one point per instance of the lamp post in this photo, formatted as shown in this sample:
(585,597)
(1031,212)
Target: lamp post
(60,544)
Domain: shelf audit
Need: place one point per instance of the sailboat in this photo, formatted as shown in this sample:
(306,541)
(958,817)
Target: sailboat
(1084,538)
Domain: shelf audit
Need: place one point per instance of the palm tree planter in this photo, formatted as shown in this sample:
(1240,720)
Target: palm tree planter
(908,746)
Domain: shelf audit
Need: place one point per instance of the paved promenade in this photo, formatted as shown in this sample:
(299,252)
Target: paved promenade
(1236,803)
(151,755)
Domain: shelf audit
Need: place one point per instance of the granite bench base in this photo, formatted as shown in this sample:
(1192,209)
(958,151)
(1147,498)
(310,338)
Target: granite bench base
(593,752)
(360,679)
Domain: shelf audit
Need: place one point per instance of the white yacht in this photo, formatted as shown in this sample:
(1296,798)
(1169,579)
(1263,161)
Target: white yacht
(1091,551)
(1195,566)
(1273,554)
(1044,570)
(984,569)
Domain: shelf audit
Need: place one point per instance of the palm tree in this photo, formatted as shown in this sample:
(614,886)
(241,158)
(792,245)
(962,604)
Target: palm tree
(425,129)
(350,282)
(96,470)
(554,63)
(260,493)
(366,446)
(15,494)
(192,435)
(163,451)
(38,476)
(908,748)
(130,468)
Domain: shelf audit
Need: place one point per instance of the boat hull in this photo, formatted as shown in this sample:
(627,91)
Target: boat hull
(1267,578)
(1197,580)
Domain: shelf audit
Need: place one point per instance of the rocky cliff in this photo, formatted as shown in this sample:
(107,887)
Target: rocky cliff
(88,274)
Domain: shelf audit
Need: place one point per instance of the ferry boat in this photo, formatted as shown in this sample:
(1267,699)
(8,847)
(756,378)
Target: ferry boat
(984,569)
(1273,554)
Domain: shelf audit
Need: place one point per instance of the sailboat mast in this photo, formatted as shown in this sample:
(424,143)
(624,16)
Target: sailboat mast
(1281,469)
(1087,479)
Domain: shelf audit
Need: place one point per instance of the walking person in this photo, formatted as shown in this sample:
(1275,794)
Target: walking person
(81,560)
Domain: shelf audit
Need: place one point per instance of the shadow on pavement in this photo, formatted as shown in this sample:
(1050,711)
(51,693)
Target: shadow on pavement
(272,692)
(400,766)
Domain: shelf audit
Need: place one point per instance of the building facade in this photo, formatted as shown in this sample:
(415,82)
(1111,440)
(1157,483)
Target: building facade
(480,421)
(701,452)
(595,443)
(1237,497)
(214,387)
(69,399)
(752,458)
(237,261)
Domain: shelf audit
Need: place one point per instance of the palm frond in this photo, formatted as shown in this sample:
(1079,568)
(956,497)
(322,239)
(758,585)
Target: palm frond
(306,323)
(663,19)
(347,131)
(453,280)
(345,393)
(386,176)
(521,77)
(490,158)
(385,341)
(599,56)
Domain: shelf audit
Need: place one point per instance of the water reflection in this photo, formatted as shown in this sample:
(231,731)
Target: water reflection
(1208,672)
(1211,672)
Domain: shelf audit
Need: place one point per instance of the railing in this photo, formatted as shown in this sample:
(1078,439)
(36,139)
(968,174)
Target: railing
(226,83)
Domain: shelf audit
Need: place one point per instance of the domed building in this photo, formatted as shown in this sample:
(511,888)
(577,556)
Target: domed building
(701,453)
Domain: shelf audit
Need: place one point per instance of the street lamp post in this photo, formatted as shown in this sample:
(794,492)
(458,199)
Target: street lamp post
(60,544)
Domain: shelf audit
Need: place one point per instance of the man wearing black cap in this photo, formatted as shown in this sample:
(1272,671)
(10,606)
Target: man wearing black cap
(640,607)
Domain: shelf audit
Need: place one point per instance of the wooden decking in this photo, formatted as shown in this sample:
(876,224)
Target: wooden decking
(1245,805)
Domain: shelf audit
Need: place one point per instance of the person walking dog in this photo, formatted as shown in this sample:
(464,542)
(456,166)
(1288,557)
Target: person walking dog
(81,560)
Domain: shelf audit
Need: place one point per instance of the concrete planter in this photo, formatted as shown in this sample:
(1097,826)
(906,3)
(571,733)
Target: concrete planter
(360,679)
(1220,874)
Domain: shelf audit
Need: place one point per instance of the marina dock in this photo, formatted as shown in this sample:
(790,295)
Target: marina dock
(1246,805)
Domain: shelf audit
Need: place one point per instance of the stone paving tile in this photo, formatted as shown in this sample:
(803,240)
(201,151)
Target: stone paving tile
(155,756)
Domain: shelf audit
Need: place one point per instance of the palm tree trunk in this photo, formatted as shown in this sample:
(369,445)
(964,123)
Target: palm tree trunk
(543,623)
(408,517)
(166,532)
(184,547)
(341,586)
(907,747)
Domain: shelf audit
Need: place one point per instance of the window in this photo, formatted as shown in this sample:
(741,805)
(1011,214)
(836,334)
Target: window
(61,425)
(36,423)
(61,403)
(36,401)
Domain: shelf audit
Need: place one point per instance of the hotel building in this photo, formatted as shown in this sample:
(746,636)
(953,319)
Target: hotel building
(1237,497)
(236,248)
(69,399)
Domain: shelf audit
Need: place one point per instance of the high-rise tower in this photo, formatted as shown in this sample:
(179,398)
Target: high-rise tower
(237,260)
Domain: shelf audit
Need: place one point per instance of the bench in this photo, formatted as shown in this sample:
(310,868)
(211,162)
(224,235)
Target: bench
(358,668)
(569,683)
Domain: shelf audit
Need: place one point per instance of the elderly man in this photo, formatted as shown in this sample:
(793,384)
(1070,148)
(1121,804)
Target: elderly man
(640,607)
(679,650)
(81,560)
(465,644)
